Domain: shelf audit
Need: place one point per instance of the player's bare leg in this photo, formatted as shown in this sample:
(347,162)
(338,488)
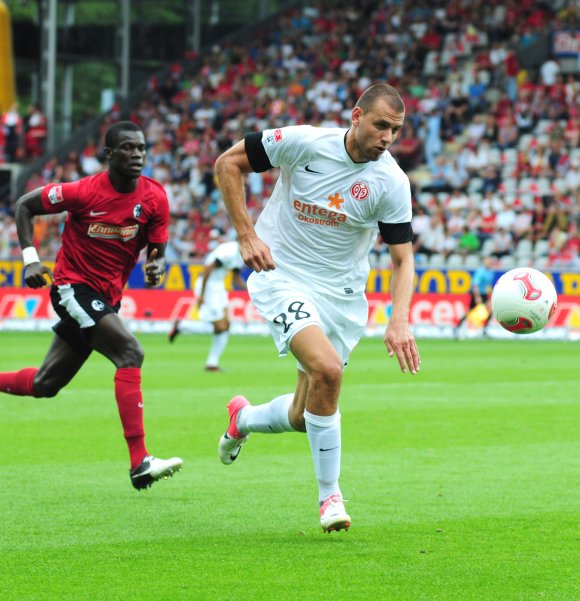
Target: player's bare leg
(58,368)
(313,408)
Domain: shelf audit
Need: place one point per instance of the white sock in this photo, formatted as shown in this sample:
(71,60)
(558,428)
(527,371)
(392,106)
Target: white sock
(325,443)
(217,348)
(269,418)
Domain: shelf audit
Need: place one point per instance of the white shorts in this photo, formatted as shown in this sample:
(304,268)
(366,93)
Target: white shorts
(288,306)
(215,303)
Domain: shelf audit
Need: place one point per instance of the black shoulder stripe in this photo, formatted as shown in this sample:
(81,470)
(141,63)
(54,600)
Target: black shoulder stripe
(256,154)
(396,233)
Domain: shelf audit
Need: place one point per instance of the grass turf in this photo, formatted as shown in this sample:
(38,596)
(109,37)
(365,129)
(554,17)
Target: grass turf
(462,480)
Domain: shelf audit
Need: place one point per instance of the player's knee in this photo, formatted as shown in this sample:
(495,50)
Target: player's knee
(326,372)
(132,354)
(45,389)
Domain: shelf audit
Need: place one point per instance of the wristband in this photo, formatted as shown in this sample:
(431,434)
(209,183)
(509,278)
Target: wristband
(29,255)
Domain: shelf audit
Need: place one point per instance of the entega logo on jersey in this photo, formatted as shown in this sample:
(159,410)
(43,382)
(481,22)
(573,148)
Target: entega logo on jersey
(312,213)
(101,230)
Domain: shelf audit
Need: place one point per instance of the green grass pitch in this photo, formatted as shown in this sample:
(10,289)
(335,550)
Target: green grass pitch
(462,480)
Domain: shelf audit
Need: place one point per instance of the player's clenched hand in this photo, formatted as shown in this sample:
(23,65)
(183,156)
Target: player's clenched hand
(35,275)
(154,269)
(256,254)
(400,342)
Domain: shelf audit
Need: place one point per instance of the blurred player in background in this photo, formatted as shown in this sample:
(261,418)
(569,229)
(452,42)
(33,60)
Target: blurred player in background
(212,297)
(112,216)
(338,188)
(479,308)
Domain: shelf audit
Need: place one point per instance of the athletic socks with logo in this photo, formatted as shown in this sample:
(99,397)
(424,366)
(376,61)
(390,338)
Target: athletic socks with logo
(324,436)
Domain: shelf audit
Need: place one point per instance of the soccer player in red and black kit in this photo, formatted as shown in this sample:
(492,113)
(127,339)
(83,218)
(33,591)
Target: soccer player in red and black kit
(112,216)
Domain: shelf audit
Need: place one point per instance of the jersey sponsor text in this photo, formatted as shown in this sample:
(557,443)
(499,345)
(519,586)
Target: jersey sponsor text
(311,213)
(101,230)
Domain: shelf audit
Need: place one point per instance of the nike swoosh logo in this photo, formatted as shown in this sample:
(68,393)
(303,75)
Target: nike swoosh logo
(331,449)
(97,213)
(307,168)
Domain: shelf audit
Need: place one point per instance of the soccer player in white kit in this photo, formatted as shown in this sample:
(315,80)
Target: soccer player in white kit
(212,297)
(337,189)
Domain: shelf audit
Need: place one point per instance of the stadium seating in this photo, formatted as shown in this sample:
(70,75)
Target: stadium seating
(279,81)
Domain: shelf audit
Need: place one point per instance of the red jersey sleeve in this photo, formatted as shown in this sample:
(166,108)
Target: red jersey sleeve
(57,198)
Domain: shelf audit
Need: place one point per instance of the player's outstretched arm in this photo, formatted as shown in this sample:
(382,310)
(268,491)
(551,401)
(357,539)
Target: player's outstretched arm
(399,339)
(27,207)
(230,168)
(155,264)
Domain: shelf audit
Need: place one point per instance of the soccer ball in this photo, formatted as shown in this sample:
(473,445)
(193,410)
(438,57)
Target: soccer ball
(523,300)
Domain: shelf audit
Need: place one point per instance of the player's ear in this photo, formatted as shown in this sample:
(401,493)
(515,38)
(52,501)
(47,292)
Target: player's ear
(356,114)
(108,152)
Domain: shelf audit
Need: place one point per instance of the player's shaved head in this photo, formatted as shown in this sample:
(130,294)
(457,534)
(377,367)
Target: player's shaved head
(113,133)
(378,91)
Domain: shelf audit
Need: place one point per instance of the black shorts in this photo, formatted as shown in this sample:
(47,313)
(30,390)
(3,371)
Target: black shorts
(80,308)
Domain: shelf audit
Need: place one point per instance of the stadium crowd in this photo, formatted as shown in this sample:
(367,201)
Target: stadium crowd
(491,148)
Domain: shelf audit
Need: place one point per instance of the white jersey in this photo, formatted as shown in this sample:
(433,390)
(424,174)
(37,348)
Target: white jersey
(228,254)
(322,218)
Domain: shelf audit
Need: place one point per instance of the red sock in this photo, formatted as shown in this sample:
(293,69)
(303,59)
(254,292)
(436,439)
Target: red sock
(19,383)
(130,405)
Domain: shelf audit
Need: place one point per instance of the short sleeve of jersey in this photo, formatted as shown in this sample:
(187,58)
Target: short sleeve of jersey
(287,145)
(57,198)
(397,207)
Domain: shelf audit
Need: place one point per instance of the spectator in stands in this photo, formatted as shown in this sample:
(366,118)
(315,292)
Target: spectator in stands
(438,180)
(35,132)
(407,149)
(420,222)
(431,240)
(490,178)
(506,217)
(469,242)
(456,221)
(557,218)
(477,90)
(456,175)
(522,226)
(549,71)
(502,243)
(432,133)
(12,125)
(450,242)
(508,132)
(457,200)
